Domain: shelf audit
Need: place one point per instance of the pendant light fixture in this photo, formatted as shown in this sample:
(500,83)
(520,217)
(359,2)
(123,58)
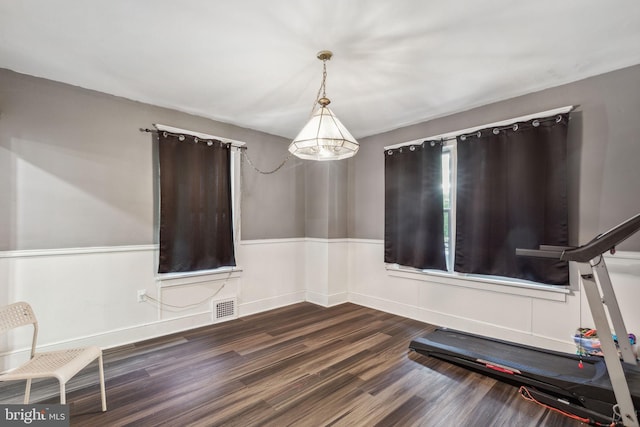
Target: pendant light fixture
(324,137)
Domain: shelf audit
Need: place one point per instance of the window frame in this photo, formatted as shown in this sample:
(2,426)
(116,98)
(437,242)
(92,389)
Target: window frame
(449,150)
(236,187)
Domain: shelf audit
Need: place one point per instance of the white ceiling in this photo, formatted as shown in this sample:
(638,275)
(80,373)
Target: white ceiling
(253,62)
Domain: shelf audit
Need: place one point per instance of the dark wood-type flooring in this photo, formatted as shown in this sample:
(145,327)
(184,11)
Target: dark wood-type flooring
(301,365)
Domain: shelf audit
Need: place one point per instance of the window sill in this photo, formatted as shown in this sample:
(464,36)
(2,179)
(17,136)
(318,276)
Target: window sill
(193,277)
(485,283)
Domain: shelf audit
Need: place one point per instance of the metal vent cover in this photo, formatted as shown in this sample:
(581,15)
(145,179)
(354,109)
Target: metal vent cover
(224,309)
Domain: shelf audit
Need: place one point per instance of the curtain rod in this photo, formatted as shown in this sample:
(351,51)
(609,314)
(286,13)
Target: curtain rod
(451,136)
(200,136)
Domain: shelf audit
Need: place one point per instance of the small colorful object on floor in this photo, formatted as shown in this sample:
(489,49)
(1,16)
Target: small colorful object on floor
(588,343)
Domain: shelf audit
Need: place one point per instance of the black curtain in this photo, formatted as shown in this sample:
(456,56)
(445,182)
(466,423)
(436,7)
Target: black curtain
(512,193)
(414,219)
(196,222)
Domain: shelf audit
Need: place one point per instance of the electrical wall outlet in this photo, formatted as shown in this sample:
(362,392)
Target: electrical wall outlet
(142,294)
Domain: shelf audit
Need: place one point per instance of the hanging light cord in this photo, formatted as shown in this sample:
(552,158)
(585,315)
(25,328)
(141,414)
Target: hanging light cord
(245,155)
(323,87)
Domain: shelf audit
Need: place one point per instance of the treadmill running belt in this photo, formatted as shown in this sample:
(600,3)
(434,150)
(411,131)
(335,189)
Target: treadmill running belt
(520,358)
(555,373)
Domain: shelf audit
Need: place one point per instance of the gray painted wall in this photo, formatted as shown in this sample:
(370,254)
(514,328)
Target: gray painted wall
(604,154)
(76,172)
(273,204)
(326,199)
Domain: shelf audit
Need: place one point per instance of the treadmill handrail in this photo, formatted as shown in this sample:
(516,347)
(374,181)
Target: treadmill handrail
(597,246)
(538,253)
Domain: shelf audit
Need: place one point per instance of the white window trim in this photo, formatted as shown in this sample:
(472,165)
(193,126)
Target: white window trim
(504,285)
(166,280)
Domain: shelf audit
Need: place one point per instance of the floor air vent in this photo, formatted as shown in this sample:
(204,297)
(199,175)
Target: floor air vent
(225,309)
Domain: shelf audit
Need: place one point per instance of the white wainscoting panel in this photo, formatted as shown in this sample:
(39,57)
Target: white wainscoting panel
(327,273)
(89,295)
(539,316)
(273,274)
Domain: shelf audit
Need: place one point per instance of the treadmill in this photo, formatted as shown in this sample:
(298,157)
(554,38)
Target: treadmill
(603,390)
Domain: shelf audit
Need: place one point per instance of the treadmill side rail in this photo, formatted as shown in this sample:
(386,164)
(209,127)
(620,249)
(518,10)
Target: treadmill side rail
(614,366)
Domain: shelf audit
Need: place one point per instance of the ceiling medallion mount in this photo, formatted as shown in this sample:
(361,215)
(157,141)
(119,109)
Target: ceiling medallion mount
(325,55)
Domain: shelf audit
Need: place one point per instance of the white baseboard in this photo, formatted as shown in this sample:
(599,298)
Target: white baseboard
(461,323)
(327,300)
(114,338)
(258,306)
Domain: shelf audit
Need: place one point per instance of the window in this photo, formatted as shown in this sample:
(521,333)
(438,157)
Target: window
(197,202)
(448,203)
(500,188)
